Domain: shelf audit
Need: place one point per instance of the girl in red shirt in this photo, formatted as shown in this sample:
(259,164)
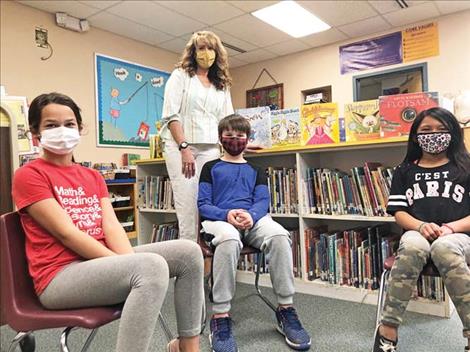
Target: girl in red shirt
(78,253)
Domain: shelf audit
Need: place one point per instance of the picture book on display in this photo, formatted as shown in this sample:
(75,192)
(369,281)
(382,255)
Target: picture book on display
(260,121)
(319,124)
(397,112)
(362,120)
(285,127)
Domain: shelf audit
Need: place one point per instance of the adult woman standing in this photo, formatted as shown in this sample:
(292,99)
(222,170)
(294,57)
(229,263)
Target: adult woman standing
(197,97)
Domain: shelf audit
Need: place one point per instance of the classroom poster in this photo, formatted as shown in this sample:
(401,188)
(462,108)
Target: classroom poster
(129,102)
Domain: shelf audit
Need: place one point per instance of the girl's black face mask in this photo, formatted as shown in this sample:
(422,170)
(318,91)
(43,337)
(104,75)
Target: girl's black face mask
(234,145)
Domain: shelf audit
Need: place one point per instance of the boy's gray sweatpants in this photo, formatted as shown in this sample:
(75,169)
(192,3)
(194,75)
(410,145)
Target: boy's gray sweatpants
(141,281)
(267,235)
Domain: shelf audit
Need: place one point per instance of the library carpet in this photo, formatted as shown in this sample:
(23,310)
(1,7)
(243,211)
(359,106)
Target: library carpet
(335,326)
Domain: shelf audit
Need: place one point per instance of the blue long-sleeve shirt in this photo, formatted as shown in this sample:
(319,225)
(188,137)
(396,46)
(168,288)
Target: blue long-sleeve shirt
(224,186)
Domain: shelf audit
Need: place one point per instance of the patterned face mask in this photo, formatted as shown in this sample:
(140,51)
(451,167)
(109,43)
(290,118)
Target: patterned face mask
(434,142)
(234,145)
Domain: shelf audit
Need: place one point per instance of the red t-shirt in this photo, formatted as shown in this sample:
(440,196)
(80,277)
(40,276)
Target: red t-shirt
(79,191)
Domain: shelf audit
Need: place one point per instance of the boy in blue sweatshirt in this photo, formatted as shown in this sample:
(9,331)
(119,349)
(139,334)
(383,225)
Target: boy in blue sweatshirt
(233,203)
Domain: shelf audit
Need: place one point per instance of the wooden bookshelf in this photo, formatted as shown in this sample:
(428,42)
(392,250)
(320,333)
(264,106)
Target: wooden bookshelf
(342,156)
(126,189)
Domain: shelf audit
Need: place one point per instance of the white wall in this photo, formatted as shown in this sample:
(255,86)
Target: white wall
(70,70)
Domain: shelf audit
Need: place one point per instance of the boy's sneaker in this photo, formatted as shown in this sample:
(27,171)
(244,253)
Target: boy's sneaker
(382,344)
(289,325)
(221,337)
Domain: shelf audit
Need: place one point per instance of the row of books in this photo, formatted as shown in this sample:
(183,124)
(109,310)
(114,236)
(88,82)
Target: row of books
(388,116)
(155,192)
(333,192)
(355,257)
(164,232)
(282,184)
(250,262)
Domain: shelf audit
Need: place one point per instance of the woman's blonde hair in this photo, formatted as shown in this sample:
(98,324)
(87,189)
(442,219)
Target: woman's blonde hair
(218,74)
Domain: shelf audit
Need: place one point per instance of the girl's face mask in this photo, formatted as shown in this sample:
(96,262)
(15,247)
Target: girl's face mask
(234,145)
(205,58)
(60,140)
(434,142)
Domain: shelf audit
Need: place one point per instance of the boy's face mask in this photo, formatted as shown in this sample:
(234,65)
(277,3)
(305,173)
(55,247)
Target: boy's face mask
(60,140)
(434,142)
(205,58)
(234,145)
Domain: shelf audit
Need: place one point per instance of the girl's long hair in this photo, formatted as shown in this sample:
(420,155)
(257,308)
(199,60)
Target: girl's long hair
(219,74)
(457,152)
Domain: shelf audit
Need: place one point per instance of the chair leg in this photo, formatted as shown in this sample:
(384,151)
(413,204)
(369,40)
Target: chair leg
(260,258)
(381,297)
(63,339)
(25,340)
(166,328)
(88,341)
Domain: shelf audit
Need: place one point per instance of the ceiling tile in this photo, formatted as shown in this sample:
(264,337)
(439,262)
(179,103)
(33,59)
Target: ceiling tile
(337,13)
(153,15)
(250,6)
(385,6)
(289,47)
(73,8)
(229,39)
(99,4)
(209,12)
(252,30)
(412,14)
(234,62)
(364,27)
(175,45)
(318,39)
(128,28)
(446,7)
(256,55)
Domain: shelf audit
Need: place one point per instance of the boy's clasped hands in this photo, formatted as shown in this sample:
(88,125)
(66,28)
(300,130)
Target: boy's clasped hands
(240,218)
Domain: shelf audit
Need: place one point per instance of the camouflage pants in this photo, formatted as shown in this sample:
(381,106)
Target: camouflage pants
(450,254)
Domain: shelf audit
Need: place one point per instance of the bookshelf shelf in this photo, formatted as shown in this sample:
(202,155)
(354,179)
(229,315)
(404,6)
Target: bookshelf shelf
(123,208)
(343,156)
(131,235)
(278,215)
(350,217)
(163,211)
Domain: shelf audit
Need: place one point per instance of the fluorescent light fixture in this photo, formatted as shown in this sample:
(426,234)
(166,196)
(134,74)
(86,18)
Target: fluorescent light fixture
(291,18)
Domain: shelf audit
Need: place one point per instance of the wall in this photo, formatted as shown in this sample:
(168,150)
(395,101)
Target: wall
(71,68)
(447,73)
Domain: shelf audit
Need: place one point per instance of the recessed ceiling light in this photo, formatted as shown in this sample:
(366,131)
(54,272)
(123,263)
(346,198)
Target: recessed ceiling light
(291,18)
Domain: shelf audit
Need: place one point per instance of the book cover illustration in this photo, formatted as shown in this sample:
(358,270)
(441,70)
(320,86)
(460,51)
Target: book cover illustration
(397,112)
(285,127)
(362,120)
(260,121)
(319,124)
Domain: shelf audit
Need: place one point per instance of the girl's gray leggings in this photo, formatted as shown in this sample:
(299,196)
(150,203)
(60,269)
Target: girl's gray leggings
(141,281)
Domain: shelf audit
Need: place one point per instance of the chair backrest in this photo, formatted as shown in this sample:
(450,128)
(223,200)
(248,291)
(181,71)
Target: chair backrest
(16,284)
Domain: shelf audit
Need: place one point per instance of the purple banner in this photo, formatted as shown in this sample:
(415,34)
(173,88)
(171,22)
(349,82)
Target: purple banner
(381,51)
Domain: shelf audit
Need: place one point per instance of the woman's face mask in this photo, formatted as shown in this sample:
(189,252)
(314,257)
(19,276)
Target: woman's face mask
(205,58)
(60,140)
(434,142)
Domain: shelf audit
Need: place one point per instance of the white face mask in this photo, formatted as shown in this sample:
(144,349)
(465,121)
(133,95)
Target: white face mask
(60,140)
